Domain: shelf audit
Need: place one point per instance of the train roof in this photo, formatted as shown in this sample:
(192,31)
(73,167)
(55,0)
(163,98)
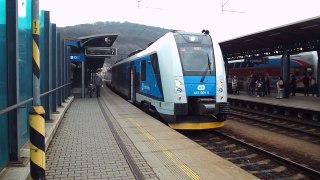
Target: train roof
(174,32)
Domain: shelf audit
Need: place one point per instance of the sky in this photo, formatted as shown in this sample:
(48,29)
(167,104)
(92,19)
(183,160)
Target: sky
(236,18)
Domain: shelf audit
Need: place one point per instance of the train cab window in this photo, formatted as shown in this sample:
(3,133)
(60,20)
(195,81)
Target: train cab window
(155,64)
(143,70)
(196,59)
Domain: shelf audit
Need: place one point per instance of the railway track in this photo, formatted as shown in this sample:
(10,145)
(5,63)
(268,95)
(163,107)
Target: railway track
(304,130)
(253,159)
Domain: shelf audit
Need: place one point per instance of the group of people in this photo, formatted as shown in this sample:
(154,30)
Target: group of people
(260,85)
(255,85)
(310,86)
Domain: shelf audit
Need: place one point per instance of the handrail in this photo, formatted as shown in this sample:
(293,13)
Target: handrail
(48,92)
(10,108)
(15,106)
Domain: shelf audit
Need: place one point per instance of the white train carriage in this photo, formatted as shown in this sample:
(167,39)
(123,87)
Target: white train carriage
(181,76)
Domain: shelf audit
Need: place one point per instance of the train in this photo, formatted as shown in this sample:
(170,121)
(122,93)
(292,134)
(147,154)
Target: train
(300,64)
(180,77)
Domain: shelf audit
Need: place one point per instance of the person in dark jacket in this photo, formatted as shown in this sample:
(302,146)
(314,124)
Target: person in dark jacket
(267,84)
(97,81)
(306,83)
(293,85)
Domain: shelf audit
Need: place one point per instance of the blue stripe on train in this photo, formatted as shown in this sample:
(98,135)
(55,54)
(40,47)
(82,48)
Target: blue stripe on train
(196,88)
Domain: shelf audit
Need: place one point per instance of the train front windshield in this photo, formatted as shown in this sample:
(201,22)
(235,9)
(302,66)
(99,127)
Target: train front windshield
(196,57)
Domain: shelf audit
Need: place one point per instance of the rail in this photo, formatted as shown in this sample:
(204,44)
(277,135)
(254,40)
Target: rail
(294,165)
(15,106)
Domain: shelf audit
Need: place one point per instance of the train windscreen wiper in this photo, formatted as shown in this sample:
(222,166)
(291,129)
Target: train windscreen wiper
(205,71)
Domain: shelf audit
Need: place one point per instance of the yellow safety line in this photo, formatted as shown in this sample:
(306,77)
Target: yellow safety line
(188,171)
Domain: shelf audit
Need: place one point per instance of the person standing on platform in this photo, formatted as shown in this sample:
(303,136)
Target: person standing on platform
(313,86)
(280,88)
(260,87)
(267,84)
(97,81)
(306,83)
(293,85)
(252,85)
(234,84)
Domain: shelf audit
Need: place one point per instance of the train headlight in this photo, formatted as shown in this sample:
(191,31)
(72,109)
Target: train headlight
(179,90)
(178,86)
(220,86)
(178,83)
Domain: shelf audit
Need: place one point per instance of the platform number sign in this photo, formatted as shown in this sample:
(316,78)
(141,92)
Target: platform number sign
(36,28)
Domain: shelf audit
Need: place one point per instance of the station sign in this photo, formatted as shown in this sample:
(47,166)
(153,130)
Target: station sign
(100,51)
(76,57)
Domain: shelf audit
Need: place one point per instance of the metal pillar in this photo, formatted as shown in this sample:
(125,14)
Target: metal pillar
(60,56)
(54,67)
(46,64)
(63,77)
(318,73)
(285,73)
(12,56)
(36,113)
(82,79)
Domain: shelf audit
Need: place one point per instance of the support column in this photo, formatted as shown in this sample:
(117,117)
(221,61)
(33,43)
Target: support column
(82,79)
(12,59)
(36,113)
(285,73)
(45,100)
(54,67)
(59,59)
(318,74)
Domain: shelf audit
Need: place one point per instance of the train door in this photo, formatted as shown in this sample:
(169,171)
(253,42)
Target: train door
(132,83)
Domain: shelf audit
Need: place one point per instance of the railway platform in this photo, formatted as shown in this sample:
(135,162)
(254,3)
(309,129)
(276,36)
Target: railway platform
(300,106)
(109,138)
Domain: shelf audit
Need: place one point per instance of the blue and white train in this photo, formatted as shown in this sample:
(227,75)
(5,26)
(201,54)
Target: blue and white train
(181,77)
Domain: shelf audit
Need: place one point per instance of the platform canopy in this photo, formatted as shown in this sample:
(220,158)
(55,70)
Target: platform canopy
(297,37)
(79,45)
(104,40)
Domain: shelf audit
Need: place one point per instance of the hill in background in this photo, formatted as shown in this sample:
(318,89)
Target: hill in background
(131,36)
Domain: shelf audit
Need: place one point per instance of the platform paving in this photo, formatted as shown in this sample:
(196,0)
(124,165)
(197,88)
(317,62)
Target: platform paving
(299,101)
(85,148)
(109,138)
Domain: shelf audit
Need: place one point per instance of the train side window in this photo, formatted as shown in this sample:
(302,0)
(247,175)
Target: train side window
(143,70)
(243,65)
(237,64)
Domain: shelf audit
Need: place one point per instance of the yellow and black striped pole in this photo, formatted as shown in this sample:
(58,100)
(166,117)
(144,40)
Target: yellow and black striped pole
(37,143)
(36,114)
